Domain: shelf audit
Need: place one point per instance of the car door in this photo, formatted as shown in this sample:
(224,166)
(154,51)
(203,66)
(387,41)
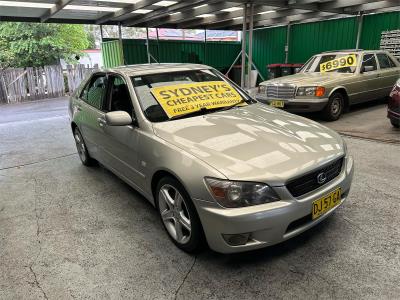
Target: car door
(120,143)
(370,85)
(388,74)
(90,111)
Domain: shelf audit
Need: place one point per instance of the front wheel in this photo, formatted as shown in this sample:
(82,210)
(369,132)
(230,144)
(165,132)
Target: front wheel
(179,216)
(334,109)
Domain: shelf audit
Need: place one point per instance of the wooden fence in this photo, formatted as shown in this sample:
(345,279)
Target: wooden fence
(19,85)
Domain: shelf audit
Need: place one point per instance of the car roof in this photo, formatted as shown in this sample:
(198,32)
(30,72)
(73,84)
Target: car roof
(155,68)
(352,51)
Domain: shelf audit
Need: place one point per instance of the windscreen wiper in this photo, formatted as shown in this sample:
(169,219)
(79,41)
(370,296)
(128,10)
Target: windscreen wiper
(201,111)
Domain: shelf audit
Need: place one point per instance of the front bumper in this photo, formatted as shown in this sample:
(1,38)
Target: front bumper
(297,105)
(270,223)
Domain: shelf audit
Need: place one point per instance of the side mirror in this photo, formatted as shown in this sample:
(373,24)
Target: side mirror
(118,118)
(367,69)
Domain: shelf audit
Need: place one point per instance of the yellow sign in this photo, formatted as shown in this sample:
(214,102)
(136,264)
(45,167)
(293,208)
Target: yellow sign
(338,63)
(189,97)
(326,203)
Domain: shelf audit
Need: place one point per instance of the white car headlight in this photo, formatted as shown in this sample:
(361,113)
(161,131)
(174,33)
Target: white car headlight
(232,194)
(262,89)
(317,91)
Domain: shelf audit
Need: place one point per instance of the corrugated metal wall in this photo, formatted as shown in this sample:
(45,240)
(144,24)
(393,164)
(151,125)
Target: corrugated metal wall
(312,38)
(220,55)
(373,25)
(269,47)
(268,44)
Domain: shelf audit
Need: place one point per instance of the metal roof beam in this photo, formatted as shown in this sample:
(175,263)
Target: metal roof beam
(126,10)
(59,5)
(165,11)
(370,7)
(228,22)
(190,14)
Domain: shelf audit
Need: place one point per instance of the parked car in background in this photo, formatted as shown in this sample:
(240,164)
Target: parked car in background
(332,81)
(394,105)
(217,165)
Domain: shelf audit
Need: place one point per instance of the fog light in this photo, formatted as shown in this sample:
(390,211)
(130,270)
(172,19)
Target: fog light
(237,239)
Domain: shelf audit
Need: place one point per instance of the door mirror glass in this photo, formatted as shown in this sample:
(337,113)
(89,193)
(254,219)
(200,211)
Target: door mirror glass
(118,118)
(367,69)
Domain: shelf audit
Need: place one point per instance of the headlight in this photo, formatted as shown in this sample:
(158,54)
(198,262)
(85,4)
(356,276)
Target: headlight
(240,193)
(262,89)
(317,91)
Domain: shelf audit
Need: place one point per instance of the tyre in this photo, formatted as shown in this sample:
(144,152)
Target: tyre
(179,216)
(395,123)
(334,109)
(82,149)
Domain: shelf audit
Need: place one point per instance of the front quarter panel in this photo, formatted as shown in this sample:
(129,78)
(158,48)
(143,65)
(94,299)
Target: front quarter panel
(157,154)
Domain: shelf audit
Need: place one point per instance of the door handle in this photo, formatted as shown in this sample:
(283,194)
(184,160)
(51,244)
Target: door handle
(78,108)
(102,122)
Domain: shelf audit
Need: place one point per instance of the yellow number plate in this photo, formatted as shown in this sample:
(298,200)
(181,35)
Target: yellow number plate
(326,203)
(278,103)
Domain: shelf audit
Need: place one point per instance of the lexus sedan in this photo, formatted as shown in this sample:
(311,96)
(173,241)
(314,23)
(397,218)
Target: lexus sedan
(331,82)
(220,168)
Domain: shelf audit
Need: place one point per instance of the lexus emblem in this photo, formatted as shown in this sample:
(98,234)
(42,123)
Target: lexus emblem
(321,178)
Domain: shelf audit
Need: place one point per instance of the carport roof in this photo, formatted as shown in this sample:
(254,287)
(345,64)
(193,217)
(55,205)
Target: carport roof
(195,14)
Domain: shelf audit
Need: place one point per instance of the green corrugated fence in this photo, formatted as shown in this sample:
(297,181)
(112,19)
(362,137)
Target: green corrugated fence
(220,55)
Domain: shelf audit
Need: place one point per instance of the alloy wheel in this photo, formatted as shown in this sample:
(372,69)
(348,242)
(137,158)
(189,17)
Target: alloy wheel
(80,146)
(174,214)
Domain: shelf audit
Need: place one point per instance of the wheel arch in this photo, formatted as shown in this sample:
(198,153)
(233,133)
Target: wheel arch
(343,91)
(158,175)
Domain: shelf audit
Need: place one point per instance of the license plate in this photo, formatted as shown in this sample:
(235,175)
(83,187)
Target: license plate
(278,103)
(326,203)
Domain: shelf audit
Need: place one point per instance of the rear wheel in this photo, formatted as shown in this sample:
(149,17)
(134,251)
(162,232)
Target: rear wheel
(82,149)
(179,216)
(334,109)
(395,123)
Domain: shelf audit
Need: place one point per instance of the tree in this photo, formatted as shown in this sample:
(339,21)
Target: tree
(35,44)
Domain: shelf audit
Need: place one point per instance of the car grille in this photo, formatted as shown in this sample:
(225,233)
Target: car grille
(280,91)
(309,182)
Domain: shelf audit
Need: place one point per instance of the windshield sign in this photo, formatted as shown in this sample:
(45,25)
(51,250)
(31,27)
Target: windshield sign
(185,98)
(338,63)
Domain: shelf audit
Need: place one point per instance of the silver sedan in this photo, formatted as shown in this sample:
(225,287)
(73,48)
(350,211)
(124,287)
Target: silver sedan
(220,168)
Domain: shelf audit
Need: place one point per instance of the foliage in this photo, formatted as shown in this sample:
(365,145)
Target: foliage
(35,44)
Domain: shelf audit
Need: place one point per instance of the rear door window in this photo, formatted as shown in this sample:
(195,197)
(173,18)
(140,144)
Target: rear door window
(384,61)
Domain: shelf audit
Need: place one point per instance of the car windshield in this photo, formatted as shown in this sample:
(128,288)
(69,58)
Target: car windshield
(335,62)
(167,96)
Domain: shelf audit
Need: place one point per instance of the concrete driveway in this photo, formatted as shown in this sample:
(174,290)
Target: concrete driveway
(67,231)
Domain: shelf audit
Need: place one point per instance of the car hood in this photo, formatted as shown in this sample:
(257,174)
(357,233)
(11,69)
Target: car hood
(255,143)
(310,79)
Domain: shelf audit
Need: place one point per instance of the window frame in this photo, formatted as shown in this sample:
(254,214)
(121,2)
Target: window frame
(107,103)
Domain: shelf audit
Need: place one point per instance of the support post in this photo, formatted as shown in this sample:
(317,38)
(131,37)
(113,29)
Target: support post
(289,27)
(147,46)
(205,46)
(120,42)
(242,79)
(250,55)
(101,33)
(158,45)
(360,25)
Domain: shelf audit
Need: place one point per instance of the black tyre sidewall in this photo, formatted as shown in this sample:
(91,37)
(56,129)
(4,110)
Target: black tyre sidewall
(89,161)
(395,123)
(197,239)
(327,112)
